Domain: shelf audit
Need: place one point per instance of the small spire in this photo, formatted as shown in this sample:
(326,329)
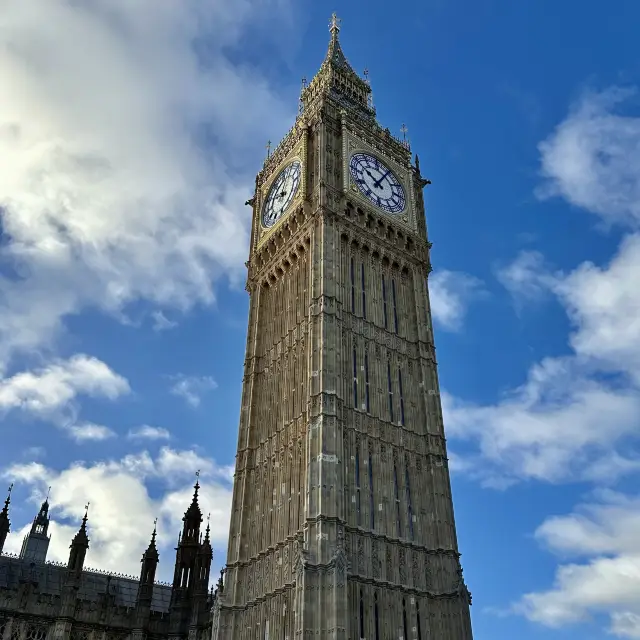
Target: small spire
(207,530)
(196,486)
(152,551)
(334,26)
(81,537)
(7,502)
(301,101)
(268,149)
(4,514)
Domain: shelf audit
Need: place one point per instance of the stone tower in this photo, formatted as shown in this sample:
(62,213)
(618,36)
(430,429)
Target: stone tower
(36,542)
(342,520)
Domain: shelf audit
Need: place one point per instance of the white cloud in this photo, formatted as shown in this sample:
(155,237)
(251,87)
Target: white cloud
(147,432)
(603,534)
(129,155)
(161,322)
(526,278)
(192,388)
(592,158)
(47,391)
(450,293)
(577,417)
(89,432)
(553,427)
(122,509)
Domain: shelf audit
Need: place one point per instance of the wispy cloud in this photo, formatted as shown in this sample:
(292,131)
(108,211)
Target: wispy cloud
(113,192)
(50,390)
(147,432)
(161,322)
(577,417)
(600,536)
(451,293)
(192,388)
(89,432)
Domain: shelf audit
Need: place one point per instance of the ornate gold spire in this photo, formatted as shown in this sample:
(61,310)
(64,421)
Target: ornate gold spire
(335,56)
(337,77)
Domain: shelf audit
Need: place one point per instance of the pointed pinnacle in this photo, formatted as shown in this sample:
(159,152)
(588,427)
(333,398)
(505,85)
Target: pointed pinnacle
(334,25)
(8,500)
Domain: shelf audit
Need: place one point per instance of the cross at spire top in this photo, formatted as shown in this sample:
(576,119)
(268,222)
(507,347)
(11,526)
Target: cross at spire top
(334,25)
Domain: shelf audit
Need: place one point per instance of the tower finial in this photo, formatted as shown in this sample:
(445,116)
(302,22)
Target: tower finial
(48,494)
(405,140)
(86,514)
(208,529)
(268,149)
(8,500)
(155,530)
(334,25)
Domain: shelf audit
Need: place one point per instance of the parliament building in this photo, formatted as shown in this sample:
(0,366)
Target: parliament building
(342,522)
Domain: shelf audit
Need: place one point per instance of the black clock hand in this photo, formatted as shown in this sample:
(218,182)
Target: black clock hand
(377,184)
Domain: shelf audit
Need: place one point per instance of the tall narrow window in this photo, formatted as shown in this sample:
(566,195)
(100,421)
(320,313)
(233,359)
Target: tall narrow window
(401,397)
(390,391)
(355,379)
(361,615)
(373,513)
(418,621)
(358,486)
(404,618)
(397,497)
(395,306)
(366,382)
(426,306)
(409,506)
(376,617)
(364,294)
(384,303)
(353,288)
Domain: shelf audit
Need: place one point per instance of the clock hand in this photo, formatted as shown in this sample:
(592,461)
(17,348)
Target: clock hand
(377,183)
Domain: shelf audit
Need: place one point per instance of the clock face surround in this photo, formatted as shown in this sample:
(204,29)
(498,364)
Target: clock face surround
(377,182)
(282,193)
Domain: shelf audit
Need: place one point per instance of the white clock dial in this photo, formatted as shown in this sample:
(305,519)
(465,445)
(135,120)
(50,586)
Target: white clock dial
(377,182)
(281,194)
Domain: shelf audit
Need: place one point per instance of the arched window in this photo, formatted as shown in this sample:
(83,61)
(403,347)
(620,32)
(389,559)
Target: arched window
(376,617)
(404,618)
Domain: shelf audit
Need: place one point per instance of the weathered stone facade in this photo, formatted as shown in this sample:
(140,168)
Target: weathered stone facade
(41,600)
(342,521)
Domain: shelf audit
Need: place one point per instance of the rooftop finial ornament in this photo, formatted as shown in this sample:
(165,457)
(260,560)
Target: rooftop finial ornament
(334,25)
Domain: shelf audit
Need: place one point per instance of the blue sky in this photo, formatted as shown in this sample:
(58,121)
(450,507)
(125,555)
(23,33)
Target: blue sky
(129,141)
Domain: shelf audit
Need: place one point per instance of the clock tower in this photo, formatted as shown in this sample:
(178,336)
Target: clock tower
(342,521)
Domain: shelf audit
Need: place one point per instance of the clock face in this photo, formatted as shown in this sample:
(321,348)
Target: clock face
(377,182)
(281,193)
